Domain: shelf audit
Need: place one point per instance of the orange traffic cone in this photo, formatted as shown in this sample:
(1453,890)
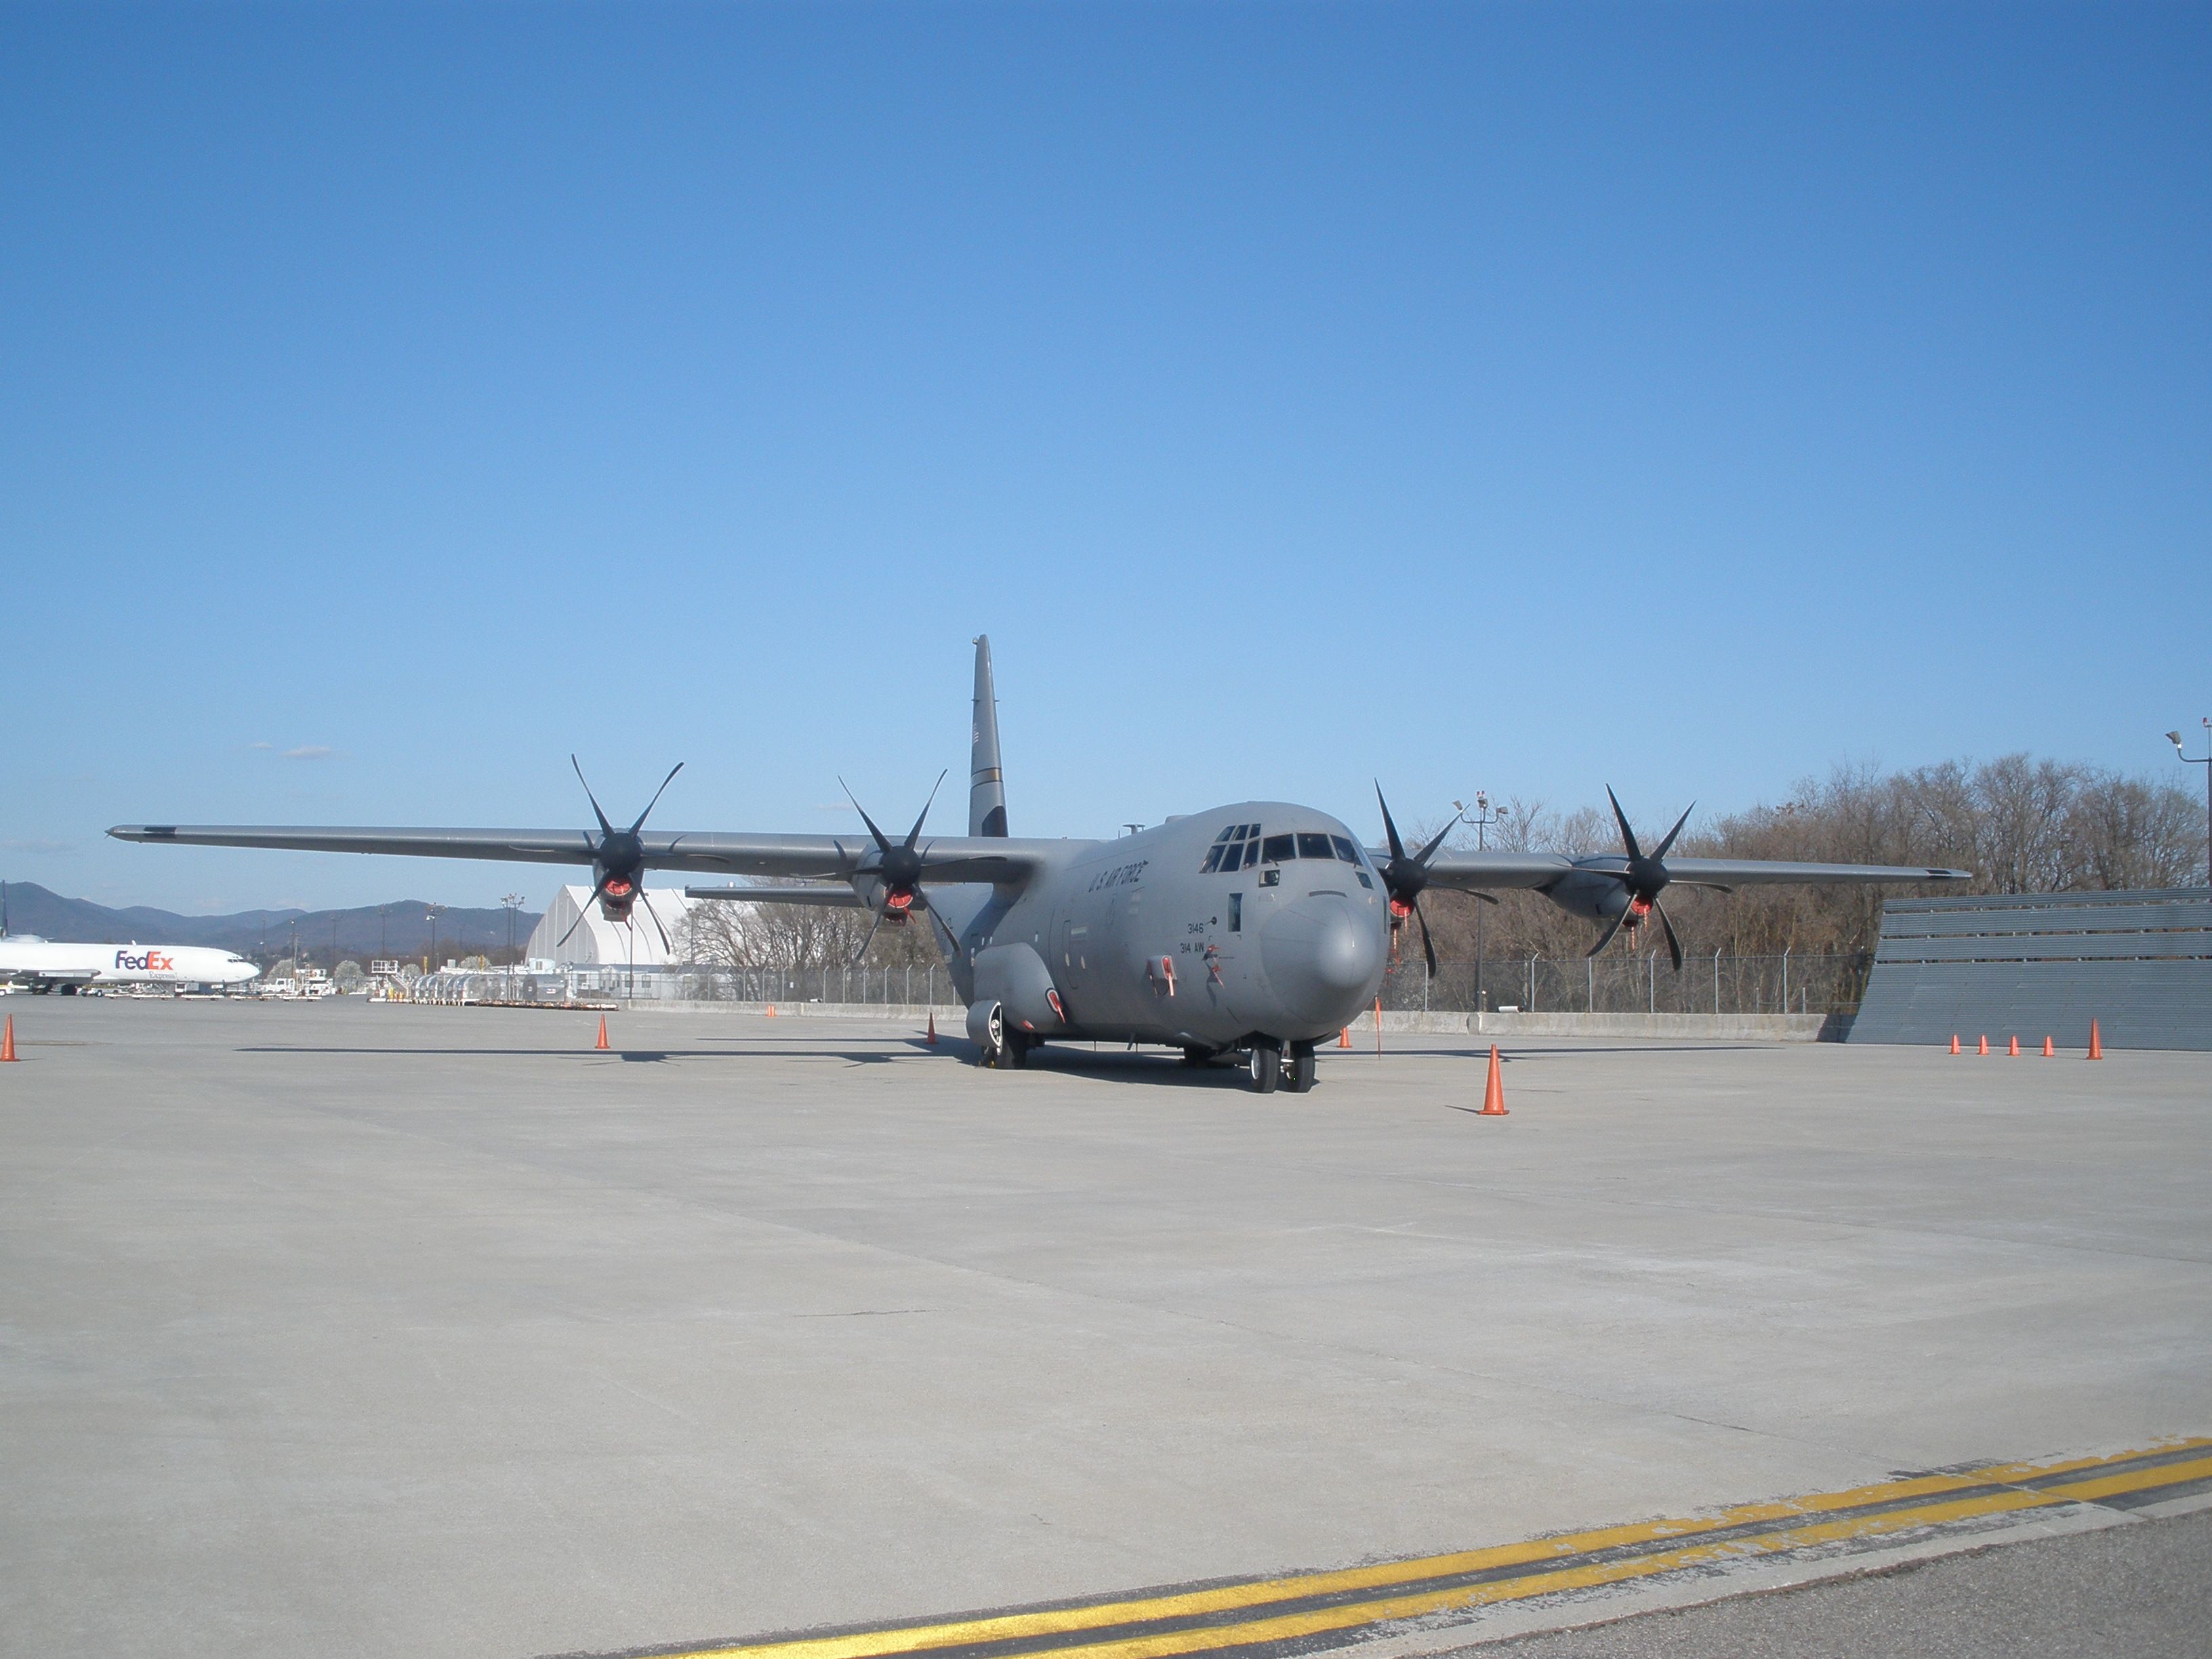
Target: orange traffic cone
(1985,1047)
(1344,1038)
(932,1027)
(771,1011)
(1493,1091)
(602,1042)
(1955,1043)
(2048,1053)
(2096,1042)
(8,1039)
(2013,1048)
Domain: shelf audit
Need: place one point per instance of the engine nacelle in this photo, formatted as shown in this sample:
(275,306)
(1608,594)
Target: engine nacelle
(617,897)
(1597,898)
(895,905)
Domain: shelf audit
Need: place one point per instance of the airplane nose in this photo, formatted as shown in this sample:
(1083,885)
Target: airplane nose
(1324,956)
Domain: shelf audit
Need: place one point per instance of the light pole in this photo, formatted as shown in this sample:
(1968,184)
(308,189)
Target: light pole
(514,903)
(1481,817)
(2204,761)
(431,916)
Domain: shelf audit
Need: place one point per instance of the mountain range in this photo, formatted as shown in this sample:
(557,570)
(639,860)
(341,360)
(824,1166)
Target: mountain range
(397,929)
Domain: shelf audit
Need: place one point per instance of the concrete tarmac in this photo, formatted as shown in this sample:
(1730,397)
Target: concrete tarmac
(357,1328)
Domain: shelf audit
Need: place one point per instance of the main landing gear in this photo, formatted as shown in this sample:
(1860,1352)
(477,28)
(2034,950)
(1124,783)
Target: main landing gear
(1002,1049)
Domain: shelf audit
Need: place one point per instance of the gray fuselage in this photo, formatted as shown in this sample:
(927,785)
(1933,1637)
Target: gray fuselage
(1156,937)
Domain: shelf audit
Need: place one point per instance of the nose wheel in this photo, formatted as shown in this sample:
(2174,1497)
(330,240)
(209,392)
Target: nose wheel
(1266,1067)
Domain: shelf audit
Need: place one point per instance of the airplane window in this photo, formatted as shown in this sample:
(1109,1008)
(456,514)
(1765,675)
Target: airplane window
(1311,846)
(1251,852)
(1229,834)
(1212,861)
(1279,849)
(1363,882)
(1238,831)
(1237,912)
(1345,849)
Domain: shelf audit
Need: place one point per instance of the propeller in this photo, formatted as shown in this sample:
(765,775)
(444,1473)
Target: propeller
(619,857)
(1643,879)
(1407,875)
(898,864)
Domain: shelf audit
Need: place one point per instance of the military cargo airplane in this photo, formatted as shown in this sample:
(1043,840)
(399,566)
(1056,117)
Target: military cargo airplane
(1253,931)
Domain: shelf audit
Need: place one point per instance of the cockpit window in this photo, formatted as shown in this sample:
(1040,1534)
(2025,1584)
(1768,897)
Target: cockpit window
(1252,849)
(1345,849)
(1230,849)
(1279,849)
(1313,846)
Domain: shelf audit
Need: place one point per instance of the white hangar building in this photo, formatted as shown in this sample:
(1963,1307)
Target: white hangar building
(602,944)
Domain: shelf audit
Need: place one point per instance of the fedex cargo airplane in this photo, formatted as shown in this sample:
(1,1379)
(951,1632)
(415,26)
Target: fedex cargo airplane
(37,964)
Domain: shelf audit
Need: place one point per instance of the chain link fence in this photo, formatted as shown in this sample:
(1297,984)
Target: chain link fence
(1617,984)
(1613,984)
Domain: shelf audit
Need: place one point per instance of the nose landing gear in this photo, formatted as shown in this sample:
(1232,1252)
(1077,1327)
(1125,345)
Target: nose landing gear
(1270,1067)
(1266,1067)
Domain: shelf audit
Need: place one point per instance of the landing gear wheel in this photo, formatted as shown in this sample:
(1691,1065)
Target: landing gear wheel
(1266,1068)
(1298,1076)
(1015,1056)
(992,1053)
(1193,1055)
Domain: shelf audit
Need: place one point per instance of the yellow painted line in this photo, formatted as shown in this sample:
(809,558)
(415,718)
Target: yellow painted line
(1012,1626)
(2167,1474)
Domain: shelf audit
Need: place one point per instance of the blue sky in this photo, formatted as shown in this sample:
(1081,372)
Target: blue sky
(1514,398)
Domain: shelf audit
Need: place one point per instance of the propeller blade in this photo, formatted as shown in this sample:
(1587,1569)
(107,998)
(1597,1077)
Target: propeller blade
(1661,851)
(1627,835)
(1390,829)
(1422,858)
(597,888)
(870,938)
(1710,886)
(645,904)
(915,834)
(881,844)
(1606,939)
(655,801)
(605,829)
(1427,948)
(1673,944)
(1477,893)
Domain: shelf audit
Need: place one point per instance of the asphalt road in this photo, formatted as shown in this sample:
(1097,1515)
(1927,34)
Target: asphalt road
(2142,1592)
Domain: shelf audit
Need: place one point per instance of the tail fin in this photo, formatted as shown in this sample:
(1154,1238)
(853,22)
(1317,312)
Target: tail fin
(987,788)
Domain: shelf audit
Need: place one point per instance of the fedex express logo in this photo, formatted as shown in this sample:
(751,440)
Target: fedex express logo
(152,962)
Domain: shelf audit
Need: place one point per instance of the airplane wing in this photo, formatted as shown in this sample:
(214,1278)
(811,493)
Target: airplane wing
(946,859)
(825,898)
(32,978)
(1485,872)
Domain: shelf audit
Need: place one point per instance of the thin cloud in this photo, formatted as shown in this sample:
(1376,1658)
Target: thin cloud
(310,751)
(260,745)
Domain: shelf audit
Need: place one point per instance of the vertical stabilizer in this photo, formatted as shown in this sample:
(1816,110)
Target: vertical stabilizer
(986,786)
